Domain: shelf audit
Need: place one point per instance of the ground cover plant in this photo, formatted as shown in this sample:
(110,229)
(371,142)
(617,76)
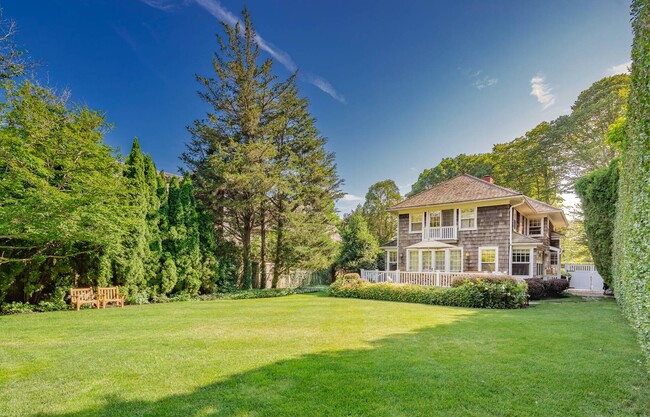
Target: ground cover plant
(332,357)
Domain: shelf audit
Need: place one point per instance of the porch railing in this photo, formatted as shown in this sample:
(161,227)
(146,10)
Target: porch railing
(430,279)
(441,233)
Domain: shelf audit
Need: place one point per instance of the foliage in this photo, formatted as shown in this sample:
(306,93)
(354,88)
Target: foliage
(473,292)
(631,272)
(598,192)
(17,307)
(259,163)
(555,287)
(359,247)
(536,288)
(379,198)
(477,165)
(475,279)
(575,247)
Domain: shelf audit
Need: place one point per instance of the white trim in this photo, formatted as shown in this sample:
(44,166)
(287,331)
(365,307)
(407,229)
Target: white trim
(460,219)
(541,227)
(496,257)
(422,223)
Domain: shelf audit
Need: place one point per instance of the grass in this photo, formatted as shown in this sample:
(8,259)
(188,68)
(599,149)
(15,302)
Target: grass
(310,355)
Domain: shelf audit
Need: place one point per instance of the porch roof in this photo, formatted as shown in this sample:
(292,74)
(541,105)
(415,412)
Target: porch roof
(430,244)
(390,245)
(519,239)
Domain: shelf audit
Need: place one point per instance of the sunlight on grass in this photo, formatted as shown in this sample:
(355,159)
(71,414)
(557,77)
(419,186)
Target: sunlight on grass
(313,355)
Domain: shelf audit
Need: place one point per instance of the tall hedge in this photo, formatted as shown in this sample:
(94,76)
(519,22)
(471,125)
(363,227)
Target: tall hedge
(598,192)
(632,231)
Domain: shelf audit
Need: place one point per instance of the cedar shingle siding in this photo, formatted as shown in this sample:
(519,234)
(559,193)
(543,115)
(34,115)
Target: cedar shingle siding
(492,230)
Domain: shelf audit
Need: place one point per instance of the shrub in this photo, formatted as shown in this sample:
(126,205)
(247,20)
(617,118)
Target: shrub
(536,288)
(53,305)
(555,287)
(17,307)
(496,279)
(478,293)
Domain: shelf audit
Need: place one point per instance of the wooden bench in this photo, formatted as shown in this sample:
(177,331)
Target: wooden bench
(107,295)
(79,296)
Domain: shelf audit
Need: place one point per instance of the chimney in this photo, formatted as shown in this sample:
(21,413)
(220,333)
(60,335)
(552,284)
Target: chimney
(488,178)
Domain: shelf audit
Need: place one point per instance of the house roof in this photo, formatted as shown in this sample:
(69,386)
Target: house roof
(462,188)
(390,245)
(519,239)
(430,244)
(541,207)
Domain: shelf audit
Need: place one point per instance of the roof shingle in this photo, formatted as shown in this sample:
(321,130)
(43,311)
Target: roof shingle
(462,188)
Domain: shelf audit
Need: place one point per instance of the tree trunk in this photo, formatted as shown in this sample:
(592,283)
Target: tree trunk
(247,274)
(262,271)
(277,261)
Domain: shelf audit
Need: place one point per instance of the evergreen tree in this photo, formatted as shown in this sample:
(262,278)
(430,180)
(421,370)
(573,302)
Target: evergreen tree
(359,248)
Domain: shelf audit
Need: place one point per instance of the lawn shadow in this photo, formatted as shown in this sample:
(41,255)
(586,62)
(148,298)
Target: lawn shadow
(471,367)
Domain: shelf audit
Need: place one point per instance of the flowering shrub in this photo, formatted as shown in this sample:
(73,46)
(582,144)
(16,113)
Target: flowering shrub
(473,292)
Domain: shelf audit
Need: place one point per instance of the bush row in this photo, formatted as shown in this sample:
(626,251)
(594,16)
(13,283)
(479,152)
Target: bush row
(476,292)
(539,288)
(18,307)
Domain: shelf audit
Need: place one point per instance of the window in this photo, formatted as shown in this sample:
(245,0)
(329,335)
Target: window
(427,264)
(413,260)
(468,219)
(489,262)
(553,258)
(415,223)
(455,260)
(535,227)
(521,262)
(439,260)
(434,219)
(391,260)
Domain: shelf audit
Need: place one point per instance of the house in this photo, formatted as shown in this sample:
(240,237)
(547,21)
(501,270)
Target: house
(467,224)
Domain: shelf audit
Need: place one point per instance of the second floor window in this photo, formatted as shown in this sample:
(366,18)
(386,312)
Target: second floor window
(535,227)
(415,223)
(468,218)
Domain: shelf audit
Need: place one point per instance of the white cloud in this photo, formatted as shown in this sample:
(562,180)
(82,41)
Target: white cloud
(542,91)
(351,198)
(215,8)
(623,68)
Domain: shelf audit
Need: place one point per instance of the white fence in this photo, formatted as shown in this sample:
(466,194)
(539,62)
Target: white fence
(584,277)
(432,279)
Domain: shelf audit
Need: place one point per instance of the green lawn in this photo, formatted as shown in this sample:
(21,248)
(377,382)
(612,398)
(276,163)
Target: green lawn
(307,355)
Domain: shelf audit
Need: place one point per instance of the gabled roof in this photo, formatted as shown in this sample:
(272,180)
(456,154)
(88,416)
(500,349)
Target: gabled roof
(462,188)
(541,207)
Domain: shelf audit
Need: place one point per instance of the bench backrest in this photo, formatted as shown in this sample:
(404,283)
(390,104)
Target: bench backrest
(108,293)
(82,293)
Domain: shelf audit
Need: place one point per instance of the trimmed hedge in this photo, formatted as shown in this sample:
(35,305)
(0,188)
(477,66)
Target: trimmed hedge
(539,288)
(536,288)
(631,271)
(476,292)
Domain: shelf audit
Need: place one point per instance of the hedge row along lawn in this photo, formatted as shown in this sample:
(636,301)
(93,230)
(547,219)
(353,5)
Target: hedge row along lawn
(314,355)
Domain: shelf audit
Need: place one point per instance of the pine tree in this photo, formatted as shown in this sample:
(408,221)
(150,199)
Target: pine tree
(359,247)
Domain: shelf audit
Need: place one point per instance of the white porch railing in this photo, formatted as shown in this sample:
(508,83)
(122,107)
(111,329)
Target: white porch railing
(440,233)
(429,279)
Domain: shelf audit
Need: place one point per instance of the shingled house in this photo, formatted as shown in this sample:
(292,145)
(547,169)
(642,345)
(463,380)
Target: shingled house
(467,224)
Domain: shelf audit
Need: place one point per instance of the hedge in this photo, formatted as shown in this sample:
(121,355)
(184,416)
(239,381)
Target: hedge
(474,292)
(631,271)
(598,192)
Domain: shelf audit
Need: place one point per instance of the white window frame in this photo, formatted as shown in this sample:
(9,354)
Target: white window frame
(389,262)
(530,261)
(411,223)
(460,219)
(448,259)
(408,260)
(438,214)
(541,227)
(496,257)
(431,261)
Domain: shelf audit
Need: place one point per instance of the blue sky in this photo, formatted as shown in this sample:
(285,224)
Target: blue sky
(395,86)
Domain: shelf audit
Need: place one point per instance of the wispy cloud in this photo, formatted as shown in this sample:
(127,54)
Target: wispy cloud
(623,68)
(542,91)
(479,79)
(164,5)
(215,8)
